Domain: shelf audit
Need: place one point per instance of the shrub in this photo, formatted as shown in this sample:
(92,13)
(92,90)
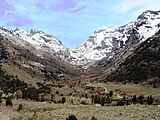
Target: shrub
(57,92)
(102,103)
(31,93)
(110,93)
(1,97)
(9,101)
(140,98)
(20,107)
(124,98)
(86,96)
(97,99)
(121,103)
(93,118)
(149,100)
(71,117)
(134,99)
(63,100)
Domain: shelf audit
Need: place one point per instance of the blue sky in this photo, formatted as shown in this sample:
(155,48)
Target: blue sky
(71,21)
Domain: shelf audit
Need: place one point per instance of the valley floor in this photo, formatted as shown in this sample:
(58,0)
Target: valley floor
(48,111)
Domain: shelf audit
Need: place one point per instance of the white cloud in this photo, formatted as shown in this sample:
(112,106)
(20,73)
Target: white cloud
(22,7)
(150,5)
(140,5)
(126,5)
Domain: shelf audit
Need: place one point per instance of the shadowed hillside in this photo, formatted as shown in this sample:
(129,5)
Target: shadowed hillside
(43,68)
(142,65)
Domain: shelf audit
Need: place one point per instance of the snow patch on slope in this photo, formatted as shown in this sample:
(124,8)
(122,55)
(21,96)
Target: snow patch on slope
(36,41)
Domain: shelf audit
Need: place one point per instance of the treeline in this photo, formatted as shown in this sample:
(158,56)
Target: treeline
(109,101)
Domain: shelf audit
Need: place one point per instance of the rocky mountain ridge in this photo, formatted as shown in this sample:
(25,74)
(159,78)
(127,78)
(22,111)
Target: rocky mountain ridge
(104,43)
(36,57)
(107,42)
(142,65)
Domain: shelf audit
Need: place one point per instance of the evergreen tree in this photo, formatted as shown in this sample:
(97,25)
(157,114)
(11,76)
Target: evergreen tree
(20,107)
(93,118)
(9,101)
(71,117)
(141,97)
(63,100)
(149,100)
(154,85)
(97,99)
(3,53)
(134,99)
(111,93)
(1,97)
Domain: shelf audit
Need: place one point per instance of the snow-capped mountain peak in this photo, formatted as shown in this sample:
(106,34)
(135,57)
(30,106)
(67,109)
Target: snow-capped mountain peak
(107,42)
(34,31)
(37,41)
(106,28)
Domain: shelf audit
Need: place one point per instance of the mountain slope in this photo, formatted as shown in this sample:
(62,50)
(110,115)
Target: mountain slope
(107,42)
(37,59)
(104,43)
(42,42)
(142,65)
